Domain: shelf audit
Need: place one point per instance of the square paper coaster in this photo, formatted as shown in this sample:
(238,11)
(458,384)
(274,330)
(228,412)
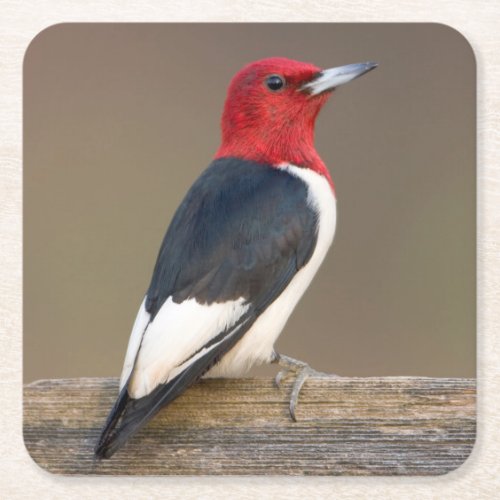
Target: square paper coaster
(121,119)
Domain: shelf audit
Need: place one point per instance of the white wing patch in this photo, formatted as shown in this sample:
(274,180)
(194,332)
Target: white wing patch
(170,341)
(141,322)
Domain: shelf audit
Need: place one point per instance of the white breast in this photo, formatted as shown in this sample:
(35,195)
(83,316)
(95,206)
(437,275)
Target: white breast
(257,344)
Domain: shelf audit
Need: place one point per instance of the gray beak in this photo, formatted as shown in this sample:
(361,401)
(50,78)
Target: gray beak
(328,79)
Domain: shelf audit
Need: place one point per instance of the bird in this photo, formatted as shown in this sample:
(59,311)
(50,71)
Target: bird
(241,249)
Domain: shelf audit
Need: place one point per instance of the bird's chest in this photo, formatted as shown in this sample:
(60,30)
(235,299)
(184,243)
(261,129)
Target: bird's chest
(257,344)
(321,198)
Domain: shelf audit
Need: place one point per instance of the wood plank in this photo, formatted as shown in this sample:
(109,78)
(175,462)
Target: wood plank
(355,426)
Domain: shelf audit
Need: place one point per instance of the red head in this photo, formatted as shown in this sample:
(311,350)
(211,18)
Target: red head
(271,108)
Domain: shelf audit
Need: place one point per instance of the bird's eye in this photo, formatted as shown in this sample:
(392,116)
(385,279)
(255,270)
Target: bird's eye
(275,82)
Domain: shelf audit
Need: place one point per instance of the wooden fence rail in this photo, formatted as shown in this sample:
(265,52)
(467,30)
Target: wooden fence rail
(355,426)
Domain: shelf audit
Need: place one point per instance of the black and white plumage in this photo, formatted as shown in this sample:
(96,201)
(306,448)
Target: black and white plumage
(241,249)
(224,284)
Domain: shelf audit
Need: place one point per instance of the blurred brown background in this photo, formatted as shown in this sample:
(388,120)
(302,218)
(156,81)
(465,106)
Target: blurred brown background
(119,120)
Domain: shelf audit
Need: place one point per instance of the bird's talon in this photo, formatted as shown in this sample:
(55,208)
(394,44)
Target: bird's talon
(282,375)
(302,372)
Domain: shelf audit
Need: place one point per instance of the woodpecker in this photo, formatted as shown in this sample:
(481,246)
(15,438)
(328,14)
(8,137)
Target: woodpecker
(241,249)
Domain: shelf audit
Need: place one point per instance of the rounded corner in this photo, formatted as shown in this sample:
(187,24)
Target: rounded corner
(457,33)
(465,463)
(37,37)
(32,458)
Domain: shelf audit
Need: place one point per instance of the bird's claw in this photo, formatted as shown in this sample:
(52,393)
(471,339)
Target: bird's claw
(279,377)
(302,372)
(286,372)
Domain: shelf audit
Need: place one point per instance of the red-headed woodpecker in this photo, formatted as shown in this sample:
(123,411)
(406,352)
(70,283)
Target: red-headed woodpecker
(242,247)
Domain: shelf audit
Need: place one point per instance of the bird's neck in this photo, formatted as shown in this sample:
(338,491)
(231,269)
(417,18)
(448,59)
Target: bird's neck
(274,146)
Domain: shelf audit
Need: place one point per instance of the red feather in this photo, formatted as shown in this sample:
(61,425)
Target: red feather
(273,127)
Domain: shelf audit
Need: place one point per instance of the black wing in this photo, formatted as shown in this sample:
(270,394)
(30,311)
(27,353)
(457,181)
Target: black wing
(243,230)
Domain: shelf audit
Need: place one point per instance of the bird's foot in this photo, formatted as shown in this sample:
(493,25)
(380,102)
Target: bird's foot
(302,372)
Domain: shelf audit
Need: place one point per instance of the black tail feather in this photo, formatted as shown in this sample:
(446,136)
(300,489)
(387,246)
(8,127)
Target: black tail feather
(113,417)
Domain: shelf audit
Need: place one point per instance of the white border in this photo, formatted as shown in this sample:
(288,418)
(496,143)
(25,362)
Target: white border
(477,20)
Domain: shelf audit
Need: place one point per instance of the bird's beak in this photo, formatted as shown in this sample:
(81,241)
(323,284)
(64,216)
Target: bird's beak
(328,79)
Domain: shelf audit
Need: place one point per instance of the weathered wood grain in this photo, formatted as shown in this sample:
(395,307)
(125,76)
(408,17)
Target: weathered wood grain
(356,426)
